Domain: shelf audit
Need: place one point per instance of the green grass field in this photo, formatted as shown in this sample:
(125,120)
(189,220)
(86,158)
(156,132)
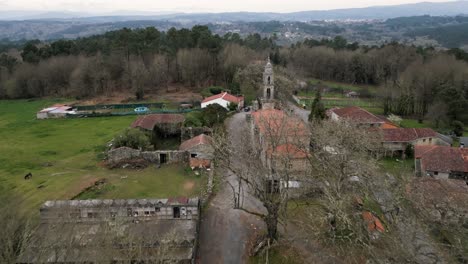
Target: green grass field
(344,86)
(412,123)
(62,155)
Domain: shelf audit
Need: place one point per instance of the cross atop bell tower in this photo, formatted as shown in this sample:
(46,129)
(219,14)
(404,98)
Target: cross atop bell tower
(268,82)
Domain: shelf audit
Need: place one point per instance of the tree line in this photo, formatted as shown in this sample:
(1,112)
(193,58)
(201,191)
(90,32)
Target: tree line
(422,82)
(411,81)
(128,60)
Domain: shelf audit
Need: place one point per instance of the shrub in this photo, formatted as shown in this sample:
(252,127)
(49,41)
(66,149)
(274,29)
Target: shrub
(194,119)
(214,114)
(216,90)
(232,107)
(132,138)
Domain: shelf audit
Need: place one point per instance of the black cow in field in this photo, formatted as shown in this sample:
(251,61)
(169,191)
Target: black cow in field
(28,176)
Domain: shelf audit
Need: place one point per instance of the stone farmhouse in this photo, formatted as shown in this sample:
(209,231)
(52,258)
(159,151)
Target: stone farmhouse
(116,231)
(395,140)
(441,162)
(224,99)
(200,149)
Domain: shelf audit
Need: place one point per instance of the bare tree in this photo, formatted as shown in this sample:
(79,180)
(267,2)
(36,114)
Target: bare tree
(268,164)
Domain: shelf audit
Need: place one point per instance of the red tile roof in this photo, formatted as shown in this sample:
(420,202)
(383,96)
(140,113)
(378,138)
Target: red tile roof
(277,123)
(442,158)
(149,121)
(289,150)
(356,114)
(407,134)
(225,96)
(198,140)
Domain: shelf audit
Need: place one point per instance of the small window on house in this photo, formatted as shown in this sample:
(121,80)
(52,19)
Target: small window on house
(371,125)
(424,140)
(436,173)
(193,155)
(157,209)
(147,213)
(135,214)
(430,140)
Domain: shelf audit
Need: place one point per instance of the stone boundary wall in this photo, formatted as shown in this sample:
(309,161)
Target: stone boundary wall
(125,153)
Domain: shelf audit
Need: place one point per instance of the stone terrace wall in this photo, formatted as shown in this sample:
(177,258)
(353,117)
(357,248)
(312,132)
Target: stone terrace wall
(125,153)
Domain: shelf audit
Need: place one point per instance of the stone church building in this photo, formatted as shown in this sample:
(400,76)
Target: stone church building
(281,138)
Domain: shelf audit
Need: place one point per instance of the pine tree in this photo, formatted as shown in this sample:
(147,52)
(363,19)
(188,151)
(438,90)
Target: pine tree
(318,109)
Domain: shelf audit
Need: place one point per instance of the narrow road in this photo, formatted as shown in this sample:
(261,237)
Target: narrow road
(299,112)
(226,234)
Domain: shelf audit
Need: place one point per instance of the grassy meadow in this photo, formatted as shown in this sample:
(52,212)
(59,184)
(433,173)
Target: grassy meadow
(63,156)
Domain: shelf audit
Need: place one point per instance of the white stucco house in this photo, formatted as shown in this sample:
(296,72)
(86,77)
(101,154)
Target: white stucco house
(224,99)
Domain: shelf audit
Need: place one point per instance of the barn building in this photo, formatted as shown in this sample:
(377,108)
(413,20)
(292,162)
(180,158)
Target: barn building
(115,231)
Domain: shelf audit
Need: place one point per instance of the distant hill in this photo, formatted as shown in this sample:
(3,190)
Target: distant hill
(452,36)
(374,12)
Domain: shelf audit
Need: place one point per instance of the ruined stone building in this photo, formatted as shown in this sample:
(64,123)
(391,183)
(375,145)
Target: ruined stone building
(115,231)
(163,124)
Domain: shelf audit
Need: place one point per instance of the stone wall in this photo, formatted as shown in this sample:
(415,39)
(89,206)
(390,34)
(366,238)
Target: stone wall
(125,153)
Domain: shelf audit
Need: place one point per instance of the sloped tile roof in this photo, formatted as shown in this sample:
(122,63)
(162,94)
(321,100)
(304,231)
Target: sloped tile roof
(277,123)
(407,134)
(356,114)
(442,158)
(198,140)
(225,96)
(149,121)
(289,150)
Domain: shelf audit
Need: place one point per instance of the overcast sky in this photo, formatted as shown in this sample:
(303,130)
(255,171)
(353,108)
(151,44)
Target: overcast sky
(99,6)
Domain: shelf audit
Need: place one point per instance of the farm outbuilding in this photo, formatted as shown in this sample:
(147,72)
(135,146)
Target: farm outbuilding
(115,231)
(55,111)
(201,151)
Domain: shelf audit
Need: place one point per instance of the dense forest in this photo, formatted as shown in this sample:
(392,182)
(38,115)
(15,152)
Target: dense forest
(416,81)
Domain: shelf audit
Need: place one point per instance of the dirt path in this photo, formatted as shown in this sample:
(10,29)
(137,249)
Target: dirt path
(226,233)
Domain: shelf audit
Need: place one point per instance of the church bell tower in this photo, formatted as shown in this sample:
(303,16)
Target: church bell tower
(268,82)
